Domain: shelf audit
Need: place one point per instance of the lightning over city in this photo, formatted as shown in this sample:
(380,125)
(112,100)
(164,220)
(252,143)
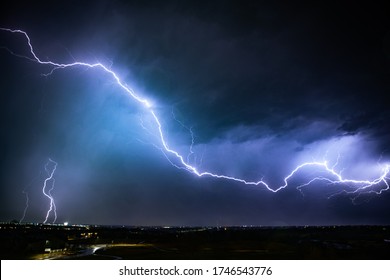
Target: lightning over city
(198,115)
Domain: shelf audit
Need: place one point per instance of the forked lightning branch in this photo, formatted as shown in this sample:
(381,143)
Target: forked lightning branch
(329,174)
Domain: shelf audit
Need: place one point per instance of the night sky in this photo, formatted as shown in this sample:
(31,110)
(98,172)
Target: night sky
(262,85)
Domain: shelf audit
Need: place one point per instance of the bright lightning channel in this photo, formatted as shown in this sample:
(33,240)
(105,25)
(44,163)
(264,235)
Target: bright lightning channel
(47,191)
(333,177)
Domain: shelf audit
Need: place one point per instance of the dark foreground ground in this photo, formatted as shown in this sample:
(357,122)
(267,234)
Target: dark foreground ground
(35,241)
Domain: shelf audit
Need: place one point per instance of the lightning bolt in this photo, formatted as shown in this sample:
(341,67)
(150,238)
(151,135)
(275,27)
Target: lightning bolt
(47,191)
(25,192)
(377,186)
(25,207)
(189,129)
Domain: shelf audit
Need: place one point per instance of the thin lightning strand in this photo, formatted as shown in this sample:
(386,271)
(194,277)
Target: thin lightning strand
(333,177)
(47,193)
(25,207)
(25,192)
(189,129)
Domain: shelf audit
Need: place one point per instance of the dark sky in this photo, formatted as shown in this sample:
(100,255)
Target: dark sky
(263,85)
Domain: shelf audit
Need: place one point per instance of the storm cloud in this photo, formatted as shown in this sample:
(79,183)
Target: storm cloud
(262,87)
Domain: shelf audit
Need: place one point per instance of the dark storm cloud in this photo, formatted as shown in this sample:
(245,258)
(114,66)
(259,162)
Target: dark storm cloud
(316,63)
(263,87)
